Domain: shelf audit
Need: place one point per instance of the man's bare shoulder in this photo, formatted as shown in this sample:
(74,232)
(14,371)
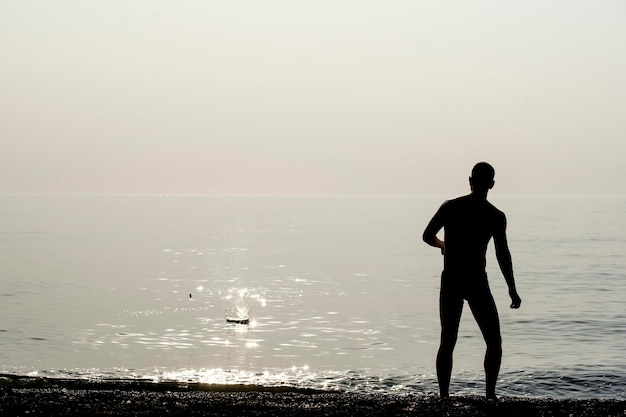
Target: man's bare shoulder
(453,206)
(457,201)
(496,213)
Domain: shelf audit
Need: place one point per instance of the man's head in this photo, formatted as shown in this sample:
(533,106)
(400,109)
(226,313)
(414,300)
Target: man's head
(482,177)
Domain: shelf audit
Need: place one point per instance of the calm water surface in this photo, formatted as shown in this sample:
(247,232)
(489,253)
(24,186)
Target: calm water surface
(342,293)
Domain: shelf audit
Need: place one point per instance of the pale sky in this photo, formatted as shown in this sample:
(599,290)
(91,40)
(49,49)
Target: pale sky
(221,97)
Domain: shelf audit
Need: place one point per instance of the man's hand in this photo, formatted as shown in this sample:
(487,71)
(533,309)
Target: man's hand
(516,301)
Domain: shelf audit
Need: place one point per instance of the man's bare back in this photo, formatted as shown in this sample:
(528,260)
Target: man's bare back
(469,223)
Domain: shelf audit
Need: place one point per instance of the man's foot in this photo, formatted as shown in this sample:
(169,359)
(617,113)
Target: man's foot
(492,398)
(444,399)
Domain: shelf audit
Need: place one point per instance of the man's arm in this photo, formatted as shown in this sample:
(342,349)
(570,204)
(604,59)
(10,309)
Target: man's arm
(430,233)
(503,254)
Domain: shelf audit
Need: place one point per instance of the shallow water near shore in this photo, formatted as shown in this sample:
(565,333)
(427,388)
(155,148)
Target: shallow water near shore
(342,293)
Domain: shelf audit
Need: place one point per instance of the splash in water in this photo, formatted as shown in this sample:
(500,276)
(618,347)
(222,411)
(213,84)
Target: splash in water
(239,312)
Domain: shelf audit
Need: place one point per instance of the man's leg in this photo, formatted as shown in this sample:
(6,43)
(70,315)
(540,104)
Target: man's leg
(486,315)
(450,309)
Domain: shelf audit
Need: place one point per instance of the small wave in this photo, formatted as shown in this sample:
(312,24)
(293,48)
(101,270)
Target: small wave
(573,383)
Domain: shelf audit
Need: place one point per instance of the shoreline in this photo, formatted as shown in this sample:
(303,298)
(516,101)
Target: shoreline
(34,396)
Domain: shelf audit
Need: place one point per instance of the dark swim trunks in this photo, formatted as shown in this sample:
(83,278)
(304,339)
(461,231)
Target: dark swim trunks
(472,287)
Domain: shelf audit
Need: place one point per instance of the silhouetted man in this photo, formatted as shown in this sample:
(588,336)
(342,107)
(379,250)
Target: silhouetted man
(469,223)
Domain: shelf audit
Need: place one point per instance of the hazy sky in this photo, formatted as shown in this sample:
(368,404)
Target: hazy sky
(319,96)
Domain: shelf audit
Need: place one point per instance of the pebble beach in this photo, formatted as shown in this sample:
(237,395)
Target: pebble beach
(23,396)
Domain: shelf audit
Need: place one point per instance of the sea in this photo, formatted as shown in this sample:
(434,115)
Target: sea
(334,293)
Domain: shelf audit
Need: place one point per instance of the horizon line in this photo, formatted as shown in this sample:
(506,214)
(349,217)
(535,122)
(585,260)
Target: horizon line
(306,195)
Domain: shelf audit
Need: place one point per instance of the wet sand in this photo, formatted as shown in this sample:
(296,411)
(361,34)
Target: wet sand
(54,397)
